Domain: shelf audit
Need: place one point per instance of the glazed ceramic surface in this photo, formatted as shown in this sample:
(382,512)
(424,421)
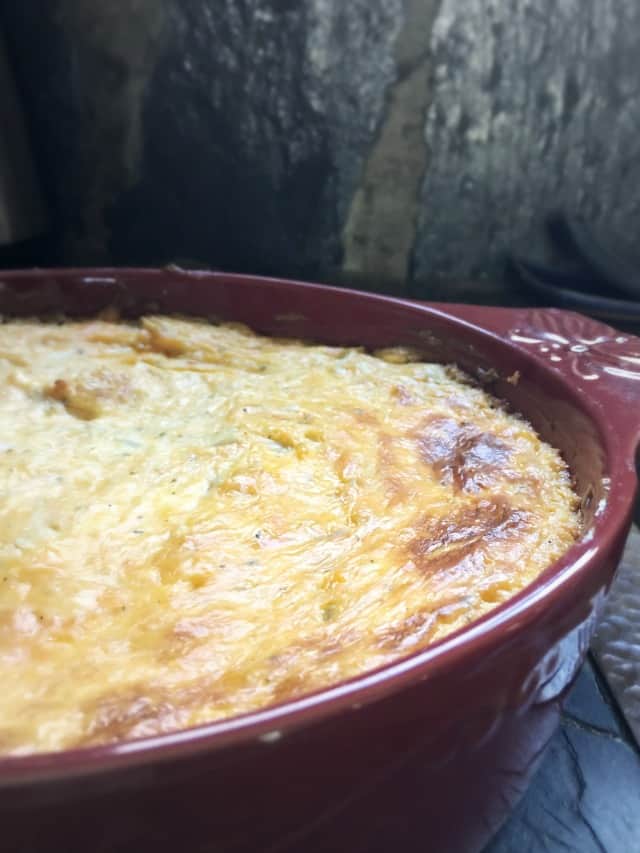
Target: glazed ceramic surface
(428,754)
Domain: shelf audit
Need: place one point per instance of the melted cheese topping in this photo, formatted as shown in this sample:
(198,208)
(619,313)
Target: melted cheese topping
(197,521)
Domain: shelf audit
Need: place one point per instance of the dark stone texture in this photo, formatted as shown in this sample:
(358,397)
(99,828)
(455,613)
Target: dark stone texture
(590,705)
(379,233)
(254,118)
(254,132)
(397,145)
(586,796)
(535,105)
(83,69)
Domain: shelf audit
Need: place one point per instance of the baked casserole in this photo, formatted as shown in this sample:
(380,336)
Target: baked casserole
(198,521)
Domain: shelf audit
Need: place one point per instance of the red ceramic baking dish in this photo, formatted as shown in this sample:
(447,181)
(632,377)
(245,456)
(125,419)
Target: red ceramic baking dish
(432,752)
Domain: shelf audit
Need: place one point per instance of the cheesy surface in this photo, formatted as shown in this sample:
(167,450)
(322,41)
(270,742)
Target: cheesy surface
(197,521)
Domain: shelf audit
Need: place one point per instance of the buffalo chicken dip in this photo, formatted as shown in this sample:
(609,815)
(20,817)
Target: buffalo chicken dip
(198,521)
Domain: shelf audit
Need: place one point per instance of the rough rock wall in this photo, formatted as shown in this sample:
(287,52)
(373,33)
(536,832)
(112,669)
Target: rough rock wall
(392,143)
(536,104)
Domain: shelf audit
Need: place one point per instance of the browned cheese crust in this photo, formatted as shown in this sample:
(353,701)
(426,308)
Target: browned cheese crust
(197,521)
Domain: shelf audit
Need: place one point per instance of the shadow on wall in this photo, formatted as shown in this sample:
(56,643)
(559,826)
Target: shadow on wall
(400,145)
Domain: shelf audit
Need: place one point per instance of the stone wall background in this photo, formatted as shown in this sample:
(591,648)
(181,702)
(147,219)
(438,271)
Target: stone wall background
(399,145)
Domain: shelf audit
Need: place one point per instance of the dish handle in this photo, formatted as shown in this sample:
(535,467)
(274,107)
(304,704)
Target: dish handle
(597,359)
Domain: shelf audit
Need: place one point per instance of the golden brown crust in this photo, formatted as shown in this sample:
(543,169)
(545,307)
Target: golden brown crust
(443,543)
(462,455)
(198,522)
(85,398)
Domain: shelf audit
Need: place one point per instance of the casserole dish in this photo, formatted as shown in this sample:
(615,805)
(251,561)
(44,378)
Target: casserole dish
(433,750)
